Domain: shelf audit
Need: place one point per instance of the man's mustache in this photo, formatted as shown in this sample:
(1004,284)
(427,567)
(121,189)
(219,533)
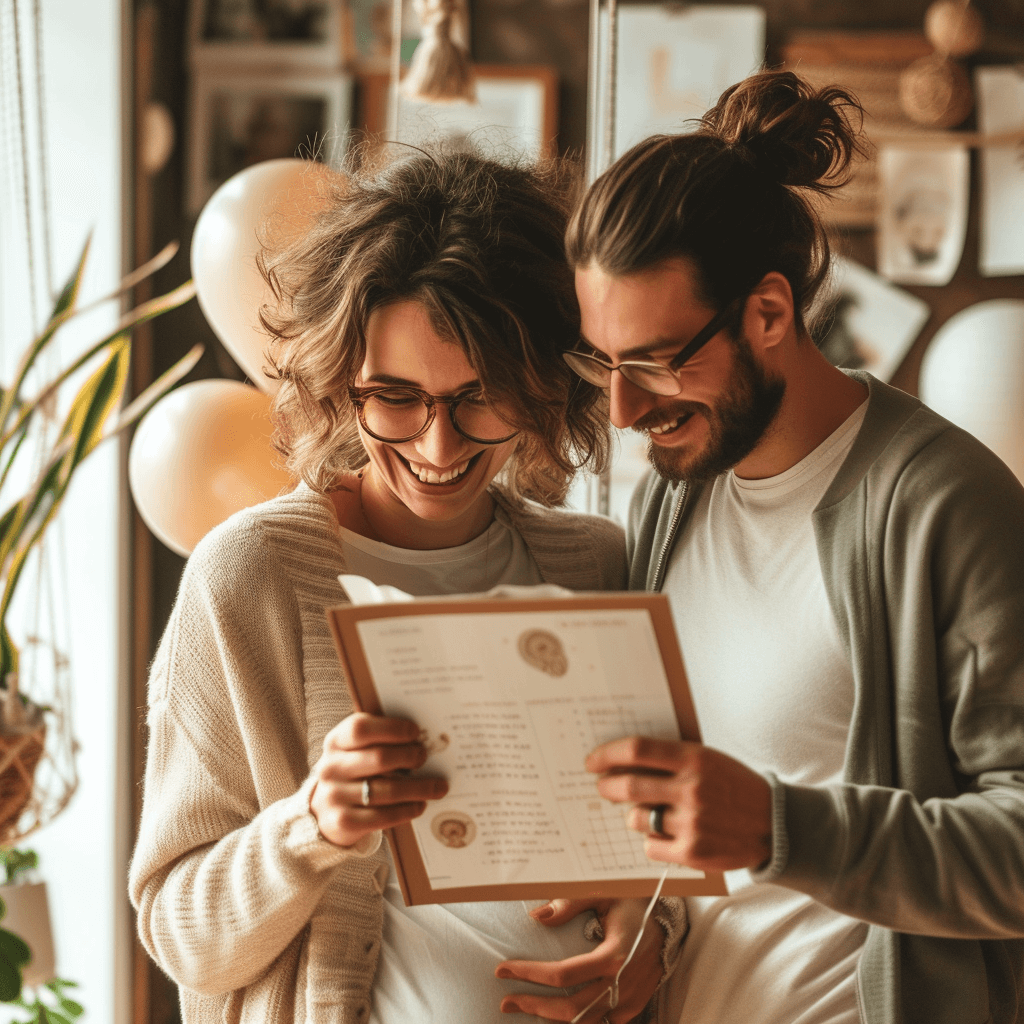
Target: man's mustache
(667,413)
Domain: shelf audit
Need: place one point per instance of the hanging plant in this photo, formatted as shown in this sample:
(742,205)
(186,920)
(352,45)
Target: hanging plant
(24,522)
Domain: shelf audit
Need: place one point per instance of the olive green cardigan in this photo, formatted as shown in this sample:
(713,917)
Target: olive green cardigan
(921,543)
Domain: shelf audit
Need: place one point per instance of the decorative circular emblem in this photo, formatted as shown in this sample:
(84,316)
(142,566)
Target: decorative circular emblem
(544,651)
(454,829)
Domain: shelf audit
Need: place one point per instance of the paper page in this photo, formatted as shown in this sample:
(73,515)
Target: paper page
(873,323)
(922,220)
(511,704)
(1001,109)
(673,63)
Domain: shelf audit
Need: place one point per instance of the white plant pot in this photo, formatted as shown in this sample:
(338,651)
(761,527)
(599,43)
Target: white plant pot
(28,916)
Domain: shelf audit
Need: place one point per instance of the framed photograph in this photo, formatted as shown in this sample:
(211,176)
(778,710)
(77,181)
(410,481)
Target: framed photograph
(922,221)
(242,119)
(268,33)
(516,113)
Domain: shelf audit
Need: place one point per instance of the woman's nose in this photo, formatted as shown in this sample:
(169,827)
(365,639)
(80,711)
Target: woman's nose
(441,445)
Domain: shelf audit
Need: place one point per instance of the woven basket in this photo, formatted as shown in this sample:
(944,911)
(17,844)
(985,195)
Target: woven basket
(19,756)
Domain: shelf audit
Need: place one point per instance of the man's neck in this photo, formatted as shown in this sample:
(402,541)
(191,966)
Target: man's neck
(819,399)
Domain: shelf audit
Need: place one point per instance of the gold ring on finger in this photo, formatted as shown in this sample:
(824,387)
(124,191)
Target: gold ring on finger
(366,792)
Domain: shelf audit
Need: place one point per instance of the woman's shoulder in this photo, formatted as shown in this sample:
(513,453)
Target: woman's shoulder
(297,529)
(576,549)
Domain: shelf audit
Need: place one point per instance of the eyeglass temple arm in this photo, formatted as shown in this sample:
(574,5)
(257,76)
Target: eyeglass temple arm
(704,336)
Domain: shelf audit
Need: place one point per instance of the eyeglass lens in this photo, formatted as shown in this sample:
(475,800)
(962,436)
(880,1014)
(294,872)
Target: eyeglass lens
(658,379)
(401,414)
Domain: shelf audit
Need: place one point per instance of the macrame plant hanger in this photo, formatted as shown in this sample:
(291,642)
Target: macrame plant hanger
(38,774)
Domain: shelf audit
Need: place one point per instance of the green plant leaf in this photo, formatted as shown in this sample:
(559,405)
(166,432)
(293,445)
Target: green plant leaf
(14,949)
(10,981)
(147,311)
(71,1008)
(146,399)
(48,1015)
(150,267)
(83,427)
(64,305)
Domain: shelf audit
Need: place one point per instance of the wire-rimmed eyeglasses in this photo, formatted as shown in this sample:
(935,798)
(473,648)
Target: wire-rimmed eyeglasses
(396,414)
(659,378)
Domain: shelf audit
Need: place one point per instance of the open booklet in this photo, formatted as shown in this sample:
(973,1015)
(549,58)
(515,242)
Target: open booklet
(512,690)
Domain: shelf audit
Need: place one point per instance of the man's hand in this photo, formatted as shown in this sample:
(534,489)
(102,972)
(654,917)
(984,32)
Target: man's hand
(362,785)
(595,970)
(718,813)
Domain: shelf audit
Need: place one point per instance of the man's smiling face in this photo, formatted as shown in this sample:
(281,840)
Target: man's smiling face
(727,400)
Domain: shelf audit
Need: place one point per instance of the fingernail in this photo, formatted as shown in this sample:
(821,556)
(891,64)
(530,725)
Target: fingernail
(503,972)
(542,913)
(510,1008)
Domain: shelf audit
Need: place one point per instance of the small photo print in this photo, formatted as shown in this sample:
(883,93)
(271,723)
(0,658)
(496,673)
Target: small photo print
(923,214)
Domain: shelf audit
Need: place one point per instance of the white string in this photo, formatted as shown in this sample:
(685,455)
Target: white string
(612,991)
(23,139)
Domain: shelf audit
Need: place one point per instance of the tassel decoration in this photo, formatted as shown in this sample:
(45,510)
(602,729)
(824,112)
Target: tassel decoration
(440,68)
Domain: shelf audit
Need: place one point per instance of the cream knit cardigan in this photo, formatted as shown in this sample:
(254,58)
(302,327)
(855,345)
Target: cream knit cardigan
(240,900)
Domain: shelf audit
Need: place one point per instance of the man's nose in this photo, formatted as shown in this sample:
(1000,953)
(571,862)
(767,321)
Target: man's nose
(626,402)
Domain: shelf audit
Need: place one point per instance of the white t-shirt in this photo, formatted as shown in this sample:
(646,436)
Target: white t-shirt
(437,962)
(772,687)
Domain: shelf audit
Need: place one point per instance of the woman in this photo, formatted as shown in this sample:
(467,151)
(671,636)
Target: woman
(423,401)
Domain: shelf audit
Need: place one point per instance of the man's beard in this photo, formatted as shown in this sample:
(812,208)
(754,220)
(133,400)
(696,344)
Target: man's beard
(737,423)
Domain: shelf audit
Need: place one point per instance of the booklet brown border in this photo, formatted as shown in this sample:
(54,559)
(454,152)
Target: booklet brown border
(409,866)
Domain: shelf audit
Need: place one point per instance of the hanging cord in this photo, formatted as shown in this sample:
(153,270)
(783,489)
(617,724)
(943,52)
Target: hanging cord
(44,173)
(610,91)
(396,68)
(612,991)
(23,136)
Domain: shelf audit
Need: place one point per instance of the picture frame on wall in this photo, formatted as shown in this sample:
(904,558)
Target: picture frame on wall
(269,33)
(516,113)
(240,118)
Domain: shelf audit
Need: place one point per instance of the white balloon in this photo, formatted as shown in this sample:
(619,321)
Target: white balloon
(973,374)
(275,200)
(201,454)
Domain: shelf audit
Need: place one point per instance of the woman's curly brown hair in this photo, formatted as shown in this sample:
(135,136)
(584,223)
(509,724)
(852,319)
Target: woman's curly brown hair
(480,245)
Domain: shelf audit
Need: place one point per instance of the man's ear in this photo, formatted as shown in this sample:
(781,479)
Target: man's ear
(768,317)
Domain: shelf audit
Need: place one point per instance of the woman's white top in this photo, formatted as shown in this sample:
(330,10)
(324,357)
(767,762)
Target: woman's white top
(437,962)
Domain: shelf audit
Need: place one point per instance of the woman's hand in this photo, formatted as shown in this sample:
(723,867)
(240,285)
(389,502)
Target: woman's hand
(595,970)
(375,751)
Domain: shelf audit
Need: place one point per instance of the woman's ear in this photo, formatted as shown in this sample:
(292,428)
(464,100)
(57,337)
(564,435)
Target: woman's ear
(768,318)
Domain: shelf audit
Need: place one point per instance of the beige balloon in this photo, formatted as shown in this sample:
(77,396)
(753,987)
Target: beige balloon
(271,202)
(202,453)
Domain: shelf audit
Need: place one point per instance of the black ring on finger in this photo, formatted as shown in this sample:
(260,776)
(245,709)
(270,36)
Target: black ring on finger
(656,822)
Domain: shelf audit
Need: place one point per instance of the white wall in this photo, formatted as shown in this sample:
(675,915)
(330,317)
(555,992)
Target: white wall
(83,858)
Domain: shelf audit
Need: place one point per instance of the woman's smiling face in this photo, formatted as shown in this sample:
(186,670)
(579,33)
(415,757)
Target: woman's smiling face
(402,482)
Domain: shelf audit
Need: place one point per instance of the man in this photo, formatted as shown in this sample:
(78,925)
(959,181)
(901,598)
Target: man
(846,571)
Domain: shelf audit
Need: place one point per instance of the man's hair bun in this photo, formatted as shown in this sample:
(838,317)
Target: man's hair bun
(794,134)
